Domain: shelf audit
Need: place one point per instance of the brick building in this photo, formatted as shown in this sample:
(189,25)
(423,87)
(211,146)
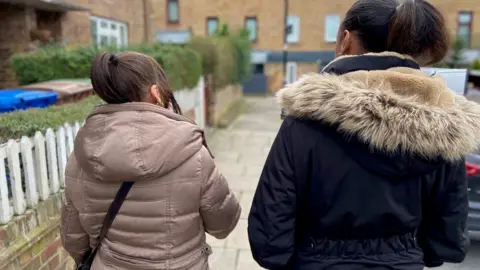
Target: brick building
(72,22)
(314,27)
(311,42)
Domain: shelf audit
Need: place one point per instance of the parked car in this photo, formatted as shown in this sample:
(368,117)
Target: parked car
(472,163)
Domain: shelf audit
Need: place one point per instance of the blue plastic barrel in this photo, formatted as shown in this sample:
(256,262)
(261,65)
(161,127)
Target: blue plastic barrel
(10,102)
(38,99)
(17,99)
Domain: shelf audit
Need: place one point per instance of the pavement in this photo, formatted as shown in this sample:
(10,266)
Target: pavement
(240,152)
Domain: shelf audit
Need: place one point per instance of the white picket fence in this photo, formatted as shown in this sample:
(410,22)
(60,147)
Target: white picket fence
(39,172)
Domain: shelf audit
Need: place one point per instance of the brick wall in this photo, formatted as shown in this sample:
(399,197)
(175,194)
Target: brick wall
(77,24)
(32,241)
(14,38)
(269,15)
(274,72)
(223,101)
(72,27)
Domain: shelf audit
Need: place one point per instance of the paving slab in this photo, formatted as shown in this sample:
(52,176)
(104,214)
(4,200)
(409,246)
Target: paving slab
(240,152)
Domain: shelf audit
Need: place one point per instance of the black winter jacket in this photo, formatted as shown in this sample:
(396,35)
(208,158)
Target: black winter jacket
(367,171)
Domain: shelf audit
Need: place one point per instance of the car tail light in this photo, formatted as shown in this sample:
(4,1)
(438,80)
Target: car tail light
(472,169)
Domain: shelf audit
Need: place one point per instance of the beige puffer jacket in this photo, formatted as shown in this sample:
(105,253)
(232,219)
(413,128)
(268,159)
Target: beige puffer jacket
(178,193)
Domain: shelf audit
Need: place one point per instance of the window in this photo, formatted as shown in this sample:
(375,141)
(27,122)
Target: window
(108,32)
(258,68)
(332,23)
(293,23)
(252,27)
(212,26)
(173,11)
(291,72)
(93,31)
(464,30)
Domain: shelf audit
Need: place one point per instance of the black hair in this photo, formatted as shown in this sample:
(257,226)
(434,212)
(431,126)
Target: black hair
(414,28)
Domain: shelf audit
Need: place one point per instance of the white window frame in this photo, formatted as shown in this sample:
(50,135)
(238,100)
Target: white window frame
(217,25)
(468,23)
(109,32)
(291,77)
(332,24)
(169,6)
(294,36)
(252,21)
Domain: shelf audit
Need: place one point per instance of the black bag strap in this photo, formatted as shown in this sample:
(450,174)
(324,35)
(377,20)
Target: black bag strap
(112,213)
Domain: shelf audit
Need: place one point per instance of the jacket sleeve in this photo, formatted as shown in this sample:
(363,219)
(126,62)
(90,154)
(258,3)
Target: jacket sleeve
(74,238)
(443,234)
(219,208)
(271,223)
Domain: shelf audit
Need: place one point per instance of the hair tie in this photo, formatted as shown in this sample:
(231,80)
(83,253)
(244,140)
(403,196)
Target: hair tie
(114,60)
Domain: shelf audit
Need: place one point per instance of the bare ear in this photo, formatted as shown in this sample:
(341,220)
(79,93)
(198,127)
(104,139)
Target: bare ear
(346,45)
(155,94)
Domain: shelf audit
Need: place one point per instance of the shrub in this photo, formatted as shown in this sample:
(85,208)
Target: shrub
(182,65)
(476,64)
(243,47)
(226,56)
(206,48)
(224,73)
(456,58)
(26,123)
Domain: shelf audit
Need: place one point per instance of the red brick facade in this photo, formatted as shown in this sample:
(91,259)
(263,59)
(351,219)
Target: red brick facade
(32,241)
(71,27)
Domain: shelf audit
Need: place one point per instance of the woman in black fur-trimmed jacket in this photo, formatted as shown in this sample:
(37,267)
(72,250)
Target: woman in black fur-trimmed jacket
(367,170)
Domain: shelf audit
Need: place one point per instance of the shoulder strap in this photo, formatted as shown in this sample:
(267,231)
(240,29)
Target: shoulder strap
(113,210)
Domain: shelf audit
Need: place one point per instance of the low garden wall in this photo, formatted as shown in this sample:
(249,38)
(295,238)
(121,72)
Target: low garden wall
(227,102)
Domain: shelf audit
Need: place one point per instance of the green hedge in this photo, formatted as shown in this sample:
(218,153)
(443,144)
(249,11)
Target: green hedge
(182,65)
(225,56)
(26,123)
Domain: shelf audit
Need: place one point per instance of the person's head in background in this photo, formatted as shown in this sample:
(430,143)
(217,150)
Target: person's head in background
(410,27)
(131,77)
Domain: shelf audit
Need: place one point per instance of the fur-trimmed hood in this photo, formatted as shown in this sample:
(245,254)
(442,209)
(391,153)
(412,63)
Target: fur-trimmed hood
(396,109)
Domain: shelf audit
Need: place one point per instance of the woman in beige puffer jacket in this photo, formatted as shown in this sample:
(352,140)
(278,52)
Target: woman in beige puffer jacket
(141,136)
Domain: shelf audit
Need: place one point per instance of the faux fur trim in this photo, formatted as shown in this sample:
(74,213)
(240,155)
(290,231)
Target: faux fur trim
(397,109)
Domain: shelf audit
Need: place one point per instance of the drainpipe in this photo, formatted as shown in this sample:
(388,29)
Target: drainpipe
(286,31)
(146,21)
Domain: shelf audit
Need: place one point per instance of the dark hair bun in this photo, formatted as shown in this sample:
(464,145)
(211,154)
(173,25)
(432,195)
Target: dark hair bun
(113,59)
(414,28)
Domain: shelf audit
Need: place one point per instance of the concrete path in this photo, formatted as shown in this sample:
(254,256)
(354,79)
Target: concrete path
(240,153)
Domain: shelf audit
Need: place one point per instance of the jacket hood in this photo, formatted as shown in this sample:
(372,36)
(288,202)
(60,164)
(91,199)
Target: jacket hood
(135,141)
(392,109)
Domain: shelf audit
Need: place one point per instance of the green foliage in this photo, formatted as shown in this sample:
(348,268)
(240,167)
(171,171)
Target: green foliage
(226,56)
(26,123)
(182,65)
(224,30)
(456,58)
(243,46)
(476,64)
(206,48)
(225,70)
